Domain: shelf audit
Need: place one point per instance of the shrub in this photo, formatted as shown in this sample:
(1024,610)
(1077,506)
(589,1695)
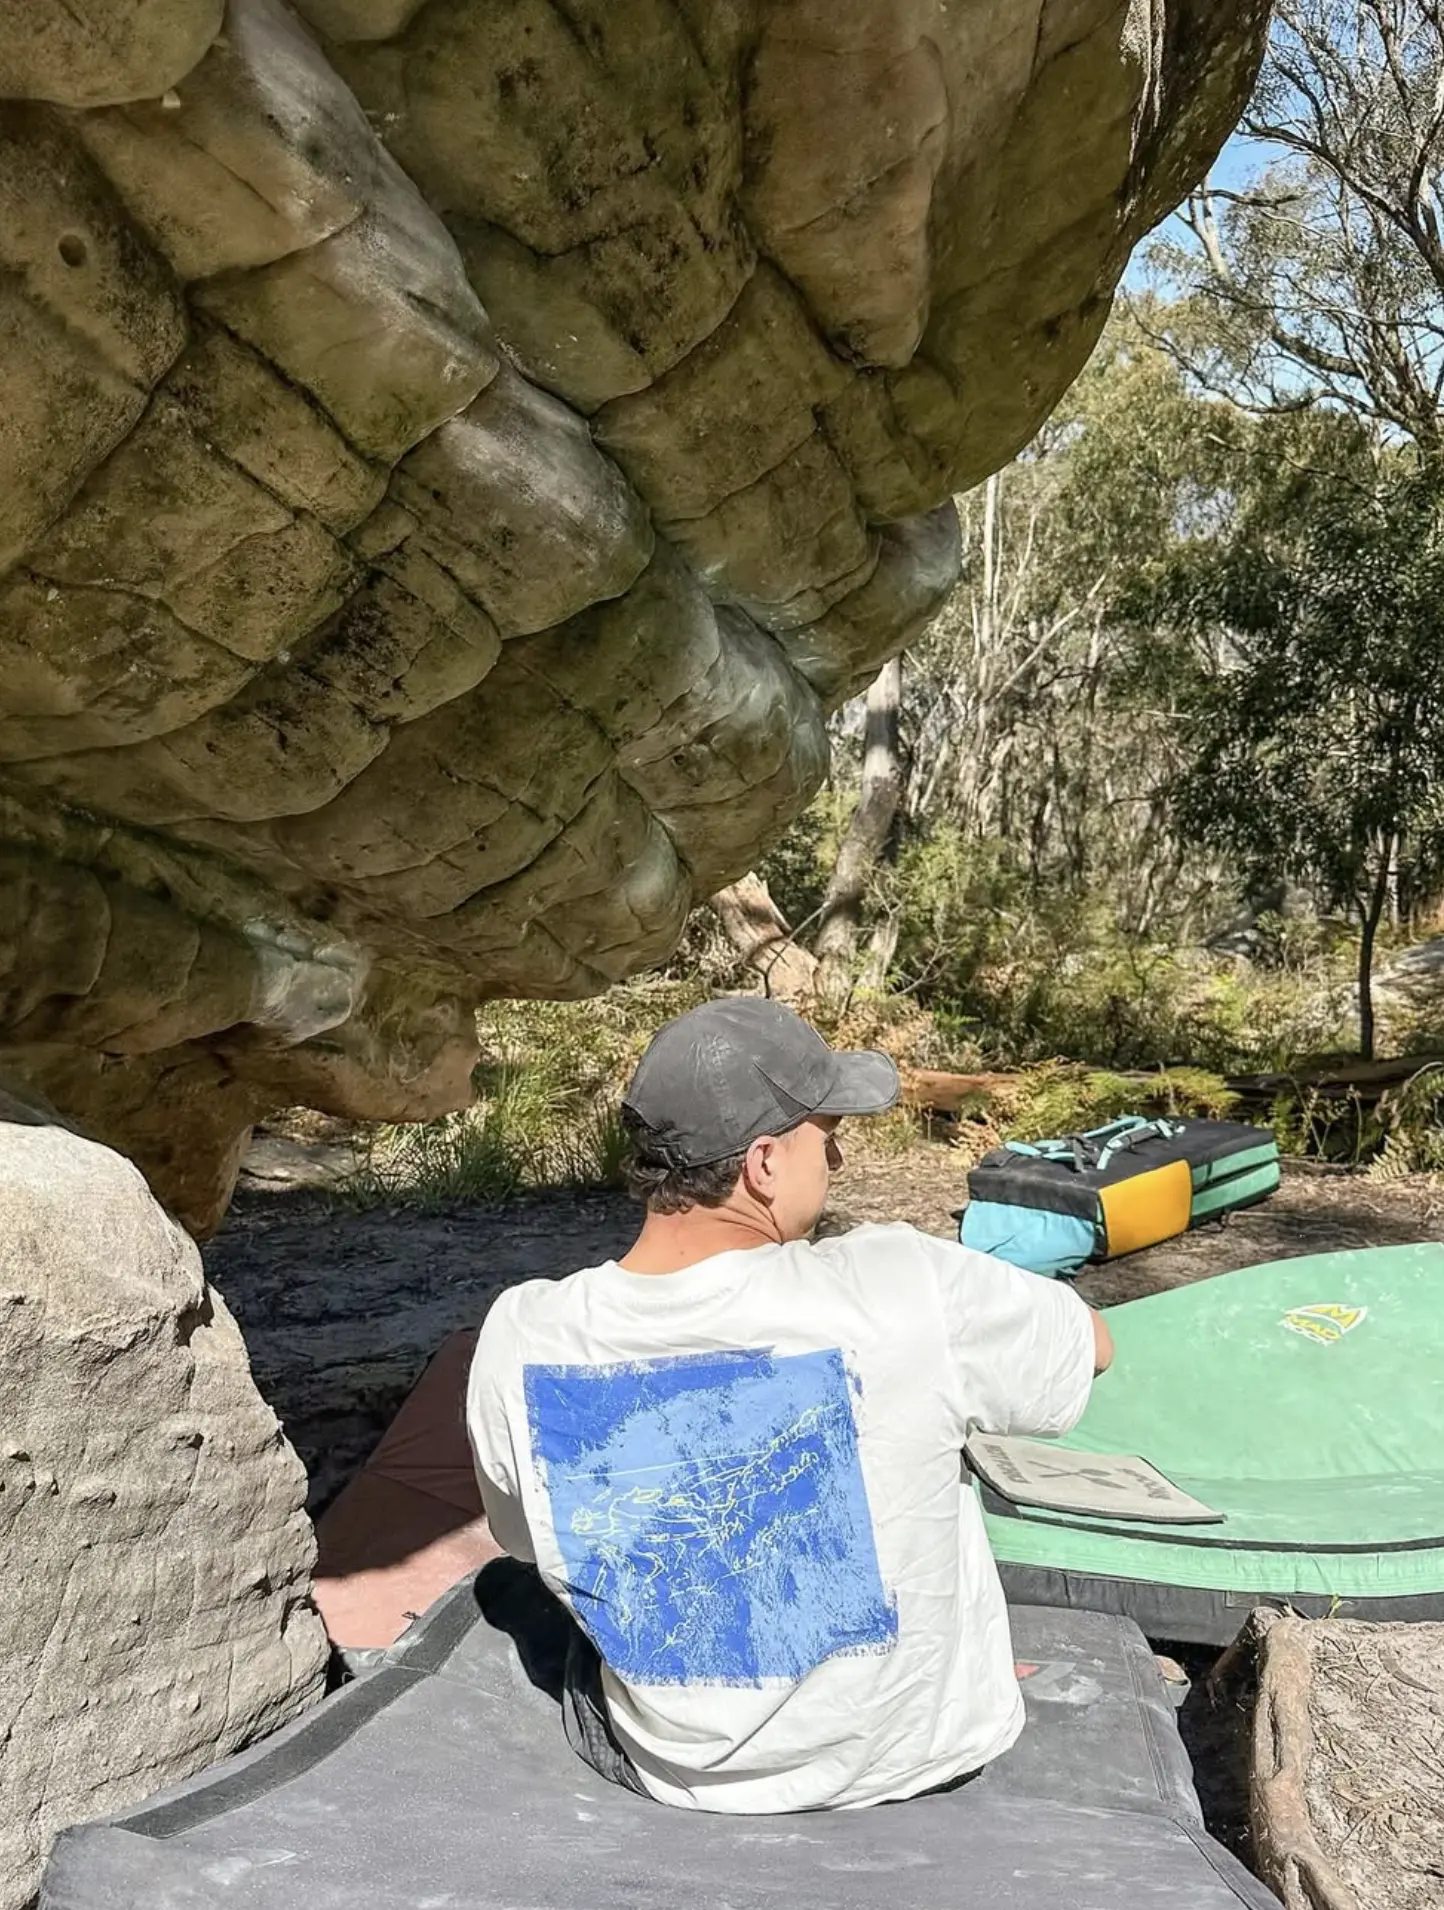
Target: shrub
(545,1115)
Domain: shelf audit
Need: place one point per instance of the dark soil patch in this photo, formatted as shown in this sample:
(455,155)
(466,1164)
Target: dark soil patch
(342,1309)
(1216,1724)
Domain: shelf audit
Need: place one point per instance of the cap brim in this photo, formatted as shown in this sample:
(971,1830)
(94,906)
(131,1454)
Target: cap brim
(866,1083)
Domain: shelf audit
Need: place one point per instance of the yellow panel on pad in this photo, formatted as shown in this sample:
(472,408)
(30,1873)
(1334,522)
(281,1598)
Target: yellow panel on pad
(1146,1209)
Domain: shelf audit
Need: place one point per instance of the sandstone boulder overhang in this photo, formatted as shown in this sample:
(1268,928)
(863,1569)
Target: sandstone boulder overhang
(455,454)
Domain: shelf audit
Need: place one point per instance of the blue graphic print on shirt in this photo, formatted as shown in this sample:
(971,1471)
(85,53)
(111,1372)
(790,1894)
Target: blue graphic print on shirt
(711,1513)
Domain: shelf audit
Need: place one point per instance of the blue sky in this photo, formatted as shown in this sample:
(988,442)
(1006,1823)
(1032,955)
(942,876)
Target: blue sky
(1239,161)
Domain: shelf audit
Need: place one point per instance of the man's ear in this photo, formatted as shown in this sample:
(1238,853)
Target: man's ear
(759,1168)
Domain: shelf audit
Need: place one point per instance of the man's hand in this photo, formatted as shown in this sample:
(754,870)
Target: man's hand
(1102,1344)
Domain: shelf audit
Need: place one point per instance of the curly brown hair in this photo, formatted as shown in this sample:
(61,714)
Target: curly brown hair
(666,1188)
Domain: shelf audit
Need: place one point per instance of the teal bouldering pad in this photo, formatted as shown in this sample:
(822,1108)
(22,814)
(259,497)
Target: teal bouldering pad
(1305,1401)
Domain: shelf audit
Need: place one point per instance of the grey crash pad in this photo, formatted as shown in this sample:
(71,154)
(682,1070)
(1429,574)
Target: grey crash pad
(442,1781)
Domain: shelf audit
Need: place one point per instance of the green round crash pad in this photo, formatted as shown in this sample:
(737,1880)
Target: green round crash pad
(1304,1400)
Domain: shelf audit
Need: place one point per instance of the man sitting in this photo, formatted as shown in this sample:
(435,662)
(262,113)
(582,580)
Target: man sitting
(736,1455)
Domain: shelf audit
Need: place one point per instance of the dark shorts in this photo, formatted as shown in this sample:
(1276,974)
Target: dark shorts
(560,1658)
(584,1714)
(589,1728)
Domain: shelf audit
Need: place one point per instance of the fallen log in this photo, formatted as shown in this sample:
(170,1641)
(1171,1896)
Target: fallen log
(1334,1076)
(939,1091)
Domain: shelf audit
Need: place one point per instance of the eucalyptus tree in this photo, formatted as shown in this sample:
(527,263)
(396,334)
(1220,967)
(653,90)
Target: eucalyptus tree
(1316,712)
(1321,281)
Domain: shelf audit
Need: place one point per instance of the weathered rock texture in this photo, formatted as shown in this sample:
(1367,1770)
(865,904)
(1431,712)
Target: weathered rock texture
(154,1552)
(453,456)
(1347,1774)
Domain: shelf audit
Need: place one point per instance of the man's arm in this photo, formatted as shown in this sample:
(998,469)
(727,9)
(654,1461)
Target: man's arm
(1025,1349)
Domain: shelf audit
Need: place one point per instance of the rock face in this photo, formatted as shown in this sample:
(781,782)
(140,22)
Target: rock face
(153,1548)
(455,454)
(1346,1797)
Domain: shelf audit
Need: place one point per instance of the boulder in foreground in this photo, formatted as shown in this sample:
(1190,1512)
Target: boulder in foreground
(153,1547)
(1347,1791)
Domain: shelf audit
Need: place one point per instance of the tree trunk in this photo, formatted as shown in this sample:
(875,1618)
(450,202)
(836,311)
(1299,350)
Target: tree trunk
(1366,987)
(756,928)
(867,834)
(1370,914)
(881,947)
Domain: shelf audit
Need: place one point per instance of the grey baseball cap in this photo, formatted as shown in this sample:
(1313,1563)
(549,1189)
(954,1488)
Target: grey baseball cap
(713,1081)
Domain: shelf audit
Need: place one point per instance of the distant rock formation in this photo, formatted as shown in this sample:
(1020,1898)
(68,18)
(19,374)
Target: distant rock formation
(153,1548)
(453,457)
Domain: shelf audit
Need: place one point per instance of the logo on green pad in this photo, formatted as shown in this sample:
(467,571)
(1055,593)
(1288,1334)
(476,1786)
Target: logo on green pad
(1325,1323)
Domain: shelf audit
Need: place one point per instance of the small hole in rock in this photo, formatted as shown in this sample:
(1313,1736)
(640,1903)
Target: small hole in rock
(72,250)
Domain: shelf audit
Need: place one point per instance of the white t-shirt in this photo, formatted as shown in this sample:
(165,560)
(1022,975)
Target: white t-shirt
(745,1481)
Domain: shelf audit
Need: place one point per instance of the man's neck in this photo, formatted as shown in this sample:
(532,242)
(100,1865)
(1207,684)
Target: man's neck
(670,1242)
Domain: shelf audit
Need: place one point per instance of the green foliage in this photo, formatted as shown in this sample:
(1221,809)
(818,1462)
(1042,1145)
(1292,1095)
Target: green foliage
(1309,1123)
(1410,1119)
(797,866)
(1035,714)
(488,1152)
(1317,717)
(1014,975)
(1319,722)
(884,1136)
(1056,1098)
(1309,301)
(545,1114)
(1400,1136)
